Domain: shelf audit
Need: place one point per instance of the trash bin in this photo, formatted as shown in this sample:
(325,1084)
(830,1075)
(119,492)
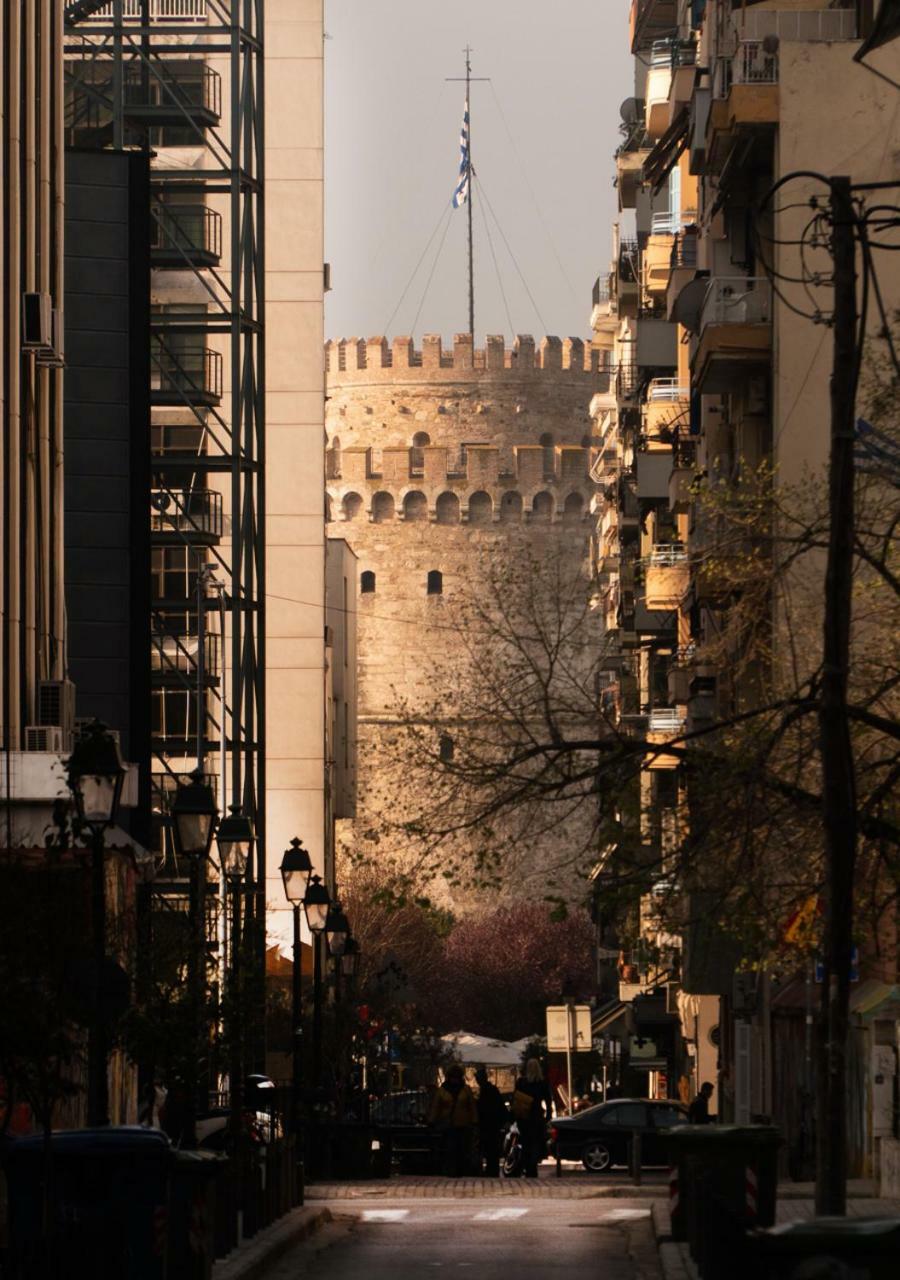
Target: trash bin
(723,1180)
(861,1248)
(107,1204)
(192,1213)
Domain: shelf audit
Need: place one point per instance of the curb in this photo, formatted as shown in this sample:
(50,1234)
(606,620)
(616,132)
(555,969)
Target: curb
(253,1257)
(674,1263)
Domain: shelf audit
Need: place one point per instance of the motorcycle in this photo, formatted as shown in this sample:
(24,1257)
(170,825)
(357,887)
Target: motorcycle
(512,1157)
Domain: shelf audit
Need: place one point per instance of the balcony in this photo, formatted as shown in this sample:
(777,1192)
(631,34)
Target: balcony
(745,99)
(604,316)
(182,516)
(628,380)
(659,81)
(630,158)
(805,27)
(185,236)
(160,11)
(173,659)
(650,20)
(666,576)
(667,720)
(735,332)
(663,413)
(684,472)
(682,266)
(186,377)
(174,94)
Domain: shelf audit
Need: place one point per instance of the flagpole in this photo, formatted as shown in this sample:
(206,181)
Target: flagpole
(471,202)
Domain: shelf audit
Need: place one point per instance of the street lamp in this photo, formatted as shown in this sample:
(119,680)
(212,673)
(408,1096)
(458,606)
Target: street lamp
(296,868)
(235,840)
(96,775)
(194,816)
(350,958)
(337,930)
(316,904)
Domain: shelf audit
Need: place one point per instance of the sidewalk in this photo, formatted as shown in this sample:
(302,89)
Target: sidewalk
(571,1186)
(795,1204)
(252,1258)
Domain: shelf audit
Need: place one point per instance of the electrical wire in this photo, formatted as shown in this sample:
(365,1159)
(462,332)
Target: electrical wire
(515,263)
(433,269)
(446,210)
(487,229)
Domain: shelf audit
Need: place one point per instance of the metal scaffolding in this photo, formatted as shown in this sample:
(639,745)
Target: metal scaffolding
(183,81)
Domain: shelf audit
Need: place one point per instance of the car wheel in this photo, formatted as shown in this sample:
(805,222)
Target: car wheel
(596,1157)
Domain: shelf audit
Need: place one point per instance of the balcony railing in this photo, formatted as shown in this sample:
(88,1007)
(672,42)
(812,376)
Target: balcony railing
(752,64)
(185,376)
(175,655)
(178,91)
(665,720)
(813,25)
(627,379)
(666,390)
(684,251)
(600,292)
(673,53)
(684,453)
(160,11)
(185,235)
(738,300)
(189,512)
(666,554)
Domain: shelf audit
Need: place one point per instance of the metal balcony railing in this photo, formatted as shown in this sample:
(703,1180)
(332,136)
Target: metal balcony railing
(665,720)
(185,235)
(189,512)
(684,250)
(811,25)
(627,379)
(175,654)
(184,376)
(684,453)
(160,11)
(600,292)
(673,53)
(665,390)
(750,64)
(667,554)
(173,90)
(738,300)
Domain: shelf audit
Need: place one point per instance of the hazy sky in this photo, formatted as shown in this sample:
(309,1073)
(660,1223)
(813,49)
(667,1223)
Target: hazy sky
(543,134)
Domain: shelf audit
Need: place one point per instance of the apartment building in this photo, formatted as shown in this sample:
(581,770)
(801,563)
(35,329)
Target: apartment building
(718,377)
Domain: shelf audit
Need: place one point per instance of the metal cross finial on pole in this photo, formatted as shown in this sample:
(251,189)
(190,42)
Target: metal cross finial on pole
(469,79)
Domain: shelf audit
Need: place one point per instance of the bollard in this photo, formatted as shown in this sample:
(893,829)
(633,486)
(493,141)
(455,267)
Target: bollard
(636,1158)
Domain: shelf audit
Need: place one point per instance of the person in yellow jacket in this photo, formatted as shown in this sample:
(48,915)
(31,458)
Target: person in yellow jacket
(454,1114)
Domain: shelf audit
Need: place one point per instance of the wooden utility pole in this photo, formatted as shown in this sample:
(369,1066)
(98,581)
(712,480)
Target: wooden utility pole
(838,778)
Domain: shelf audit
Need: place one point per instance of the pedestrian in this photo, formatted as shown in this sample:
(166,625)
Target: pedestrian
(492,1117)
(454,1115)
(531,1108)
(698,1111)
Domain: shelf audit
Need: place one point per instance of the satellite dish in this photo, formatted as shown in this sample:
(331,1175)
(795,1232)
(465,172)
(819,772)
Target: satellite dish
(632,110)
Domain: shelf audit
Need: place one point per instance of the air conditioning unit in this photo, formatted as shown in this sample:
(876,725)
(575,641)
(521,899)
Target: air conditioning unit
(47,737)
(56,703)
(37,321)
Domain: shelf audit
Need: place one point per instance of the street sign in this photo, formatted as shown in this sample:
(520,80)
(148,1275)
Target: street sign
(569,1028)
(854,967)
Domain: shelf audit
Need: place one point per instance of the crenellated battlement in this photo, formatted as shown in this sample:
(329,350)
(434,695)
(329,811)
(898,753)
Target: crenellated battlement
(364,359)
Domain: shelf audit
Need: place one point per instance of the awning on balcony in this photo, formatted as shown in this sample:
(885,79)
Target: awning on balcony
(664,156)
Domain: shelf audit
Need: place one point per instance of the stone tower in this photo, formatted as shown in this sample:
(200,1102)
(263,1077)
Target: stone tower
(436,459)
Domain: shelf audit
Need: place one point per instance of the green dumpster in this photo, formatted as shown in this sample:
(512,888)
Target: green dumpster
(192,1213)
(723,1180)
(832,1248)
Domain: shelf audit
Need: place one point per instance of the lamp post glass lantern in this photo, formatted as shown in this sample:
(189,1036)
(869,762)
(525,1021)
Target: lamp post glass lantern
(316,904)
(194,816)
(96,775)
(337,930)
(235,839)
(296,869)
(350,958)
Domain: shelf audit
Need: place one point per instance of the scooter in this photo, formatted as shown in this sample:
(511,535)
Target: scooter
(512,1157)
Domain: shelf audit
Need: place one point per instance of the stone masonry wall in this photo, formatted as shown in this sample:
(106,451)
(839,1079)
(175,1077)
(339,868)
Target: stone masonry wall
(433,462)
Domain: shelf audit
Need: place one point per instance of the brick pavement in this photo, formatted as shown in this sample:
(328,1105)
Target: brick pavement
(570,1187)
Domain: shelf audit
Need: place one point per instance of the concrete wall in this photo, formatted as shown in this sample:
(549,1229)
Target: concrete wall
(295,553)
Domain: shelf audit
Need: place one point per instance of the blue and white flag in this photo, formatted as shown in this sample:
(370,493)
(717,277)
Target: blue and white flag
(461,194)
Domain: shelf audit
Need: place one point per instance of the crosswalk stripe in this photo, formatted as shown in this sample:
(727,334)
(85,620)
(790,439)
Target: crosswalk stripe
(498,1215)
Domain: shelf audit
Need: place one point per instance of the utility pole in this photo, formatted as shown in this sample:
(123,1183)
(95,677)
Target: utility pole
(838,778)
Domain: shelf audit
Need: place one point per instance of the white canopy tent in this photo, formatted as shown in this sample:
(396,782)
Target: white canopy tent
(473,1051)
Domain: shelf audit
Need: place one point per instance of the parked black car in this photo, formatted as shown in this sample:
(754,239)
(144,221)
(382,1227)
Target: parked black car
(600,1137)
(401,1123)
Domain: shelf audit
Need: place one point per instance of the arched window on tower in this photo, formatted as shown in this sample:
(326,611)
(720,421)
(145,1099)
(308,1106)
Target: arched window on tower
(351,505)
(549,454)
(417,453)
(367,582)
(435,582)
(481,508)
(573,508)
(382,507)
(447,508)
(542,507)
(415,506)
(511,506)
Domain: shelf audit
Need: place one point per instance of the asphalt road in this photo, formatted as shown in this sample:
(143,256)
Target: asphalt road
(408,1239)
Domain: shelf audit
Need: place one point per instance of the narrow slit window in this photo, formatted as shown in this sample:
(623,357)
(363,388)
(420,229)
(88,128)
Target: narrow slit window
(435,582)
(367,582)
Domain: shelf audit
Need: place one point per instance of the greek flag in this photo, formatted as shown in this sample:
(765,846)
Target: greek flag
(461,194)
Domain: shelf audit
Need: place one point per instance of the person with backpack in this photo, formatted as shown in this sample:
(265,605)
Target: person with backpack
(531,1107)
(454,1115)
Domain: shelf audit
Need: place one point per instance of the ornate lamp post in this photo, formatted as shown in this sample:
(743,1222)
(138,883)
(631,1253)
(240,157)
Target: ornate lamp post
(316,903)
(296,868)
(95,777)
(194,816)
